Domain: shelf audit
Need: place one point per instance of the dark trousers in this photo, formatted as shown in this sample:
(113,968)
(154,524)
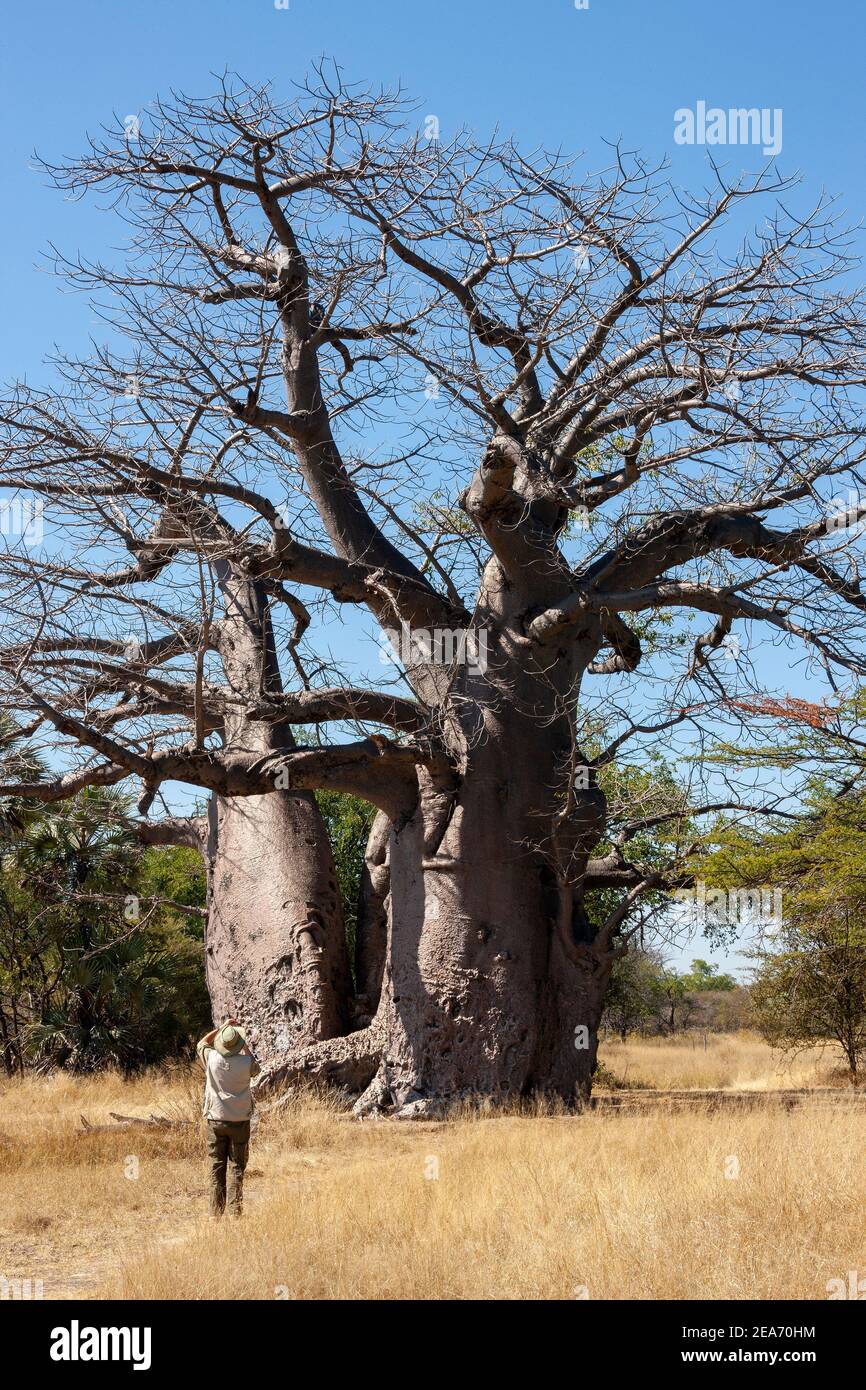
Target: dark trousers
(228,1146)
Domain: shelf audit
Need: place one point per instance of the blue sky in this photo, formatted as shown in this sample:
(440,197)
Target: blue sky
(544,71)
(539,68)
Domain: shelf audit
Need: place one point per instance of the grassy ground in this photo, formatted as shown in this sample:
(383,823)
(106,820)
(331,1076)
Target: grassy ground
(737,1061)
(764,1204)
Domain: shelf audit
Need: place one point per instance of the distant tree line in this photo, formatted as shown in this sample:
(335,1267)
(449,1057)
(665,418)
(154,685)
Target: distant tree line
(648,996)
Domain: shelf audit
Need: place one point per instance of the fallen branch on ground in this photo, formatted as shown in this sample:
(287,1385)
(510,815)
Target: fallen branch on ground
(127,1121)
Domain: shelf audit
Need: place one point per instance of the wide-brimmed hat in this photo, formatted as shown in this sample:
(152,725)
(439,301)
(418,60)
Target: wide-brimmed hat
(229,1041)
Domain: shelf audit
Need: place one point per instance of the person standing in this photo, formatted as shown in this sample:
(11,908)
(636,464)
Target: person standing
(229,1067)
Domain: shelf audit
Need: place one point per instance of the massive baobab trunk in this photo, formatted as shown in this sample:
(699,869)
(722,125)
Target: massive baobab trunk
(483,993)
(275,945)
(488,987)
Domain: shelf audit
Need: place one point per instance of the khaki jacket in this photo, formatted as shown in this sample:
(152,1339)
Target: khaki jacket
(227,1094)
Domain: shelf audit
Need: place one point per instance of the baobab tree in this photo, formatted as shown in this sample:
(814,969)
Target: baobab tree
(514,416)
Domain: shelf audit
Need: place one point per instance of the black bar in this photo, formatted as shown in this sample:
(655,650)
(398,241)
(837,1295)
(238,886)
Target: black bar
(267,1339)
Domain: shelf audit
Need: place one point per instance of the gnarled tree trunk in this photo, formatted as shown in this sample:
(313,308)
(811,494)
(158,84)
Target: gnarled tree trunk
(275,944)
(492,984)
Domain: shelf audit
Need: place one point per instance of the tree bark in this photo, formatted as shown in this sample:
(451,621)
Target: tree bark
(493,985)
(371,937)
(275,944)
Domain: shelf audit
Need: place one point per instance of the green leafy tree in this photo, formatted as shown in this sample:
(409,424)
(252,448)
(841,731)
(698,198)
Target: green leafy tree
(348,820)
(810,980)
(635,991)
(94,969)
(810,985)
(703,977)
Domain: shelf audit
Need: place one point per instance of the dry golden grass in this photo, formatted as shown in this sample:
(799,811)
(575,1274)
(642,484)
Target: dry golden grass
(733,1061)
(624,1206)
(68,1209)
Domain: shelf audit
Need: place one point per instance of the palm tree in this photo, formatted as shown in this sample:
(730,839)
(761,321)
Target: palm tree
(75,855)
(121,991)
(18,763)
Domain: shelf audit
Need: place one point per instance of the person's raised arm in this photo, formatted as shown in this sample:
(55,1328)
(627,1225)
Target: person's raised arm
(205,1042)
